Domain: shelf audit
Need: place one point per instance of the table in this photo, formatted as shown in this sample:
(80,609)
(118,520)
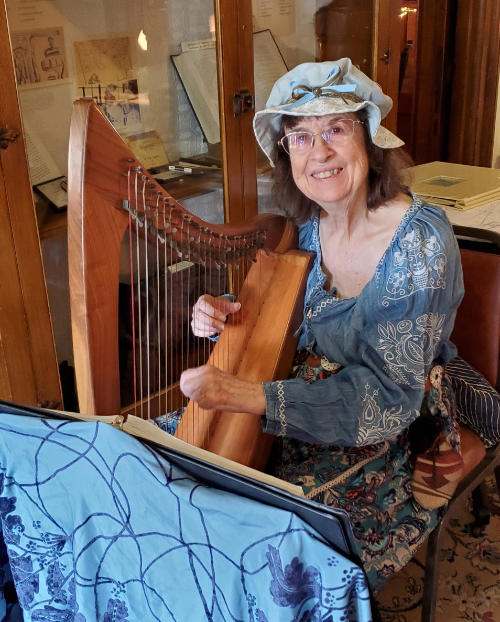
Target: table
(481,222)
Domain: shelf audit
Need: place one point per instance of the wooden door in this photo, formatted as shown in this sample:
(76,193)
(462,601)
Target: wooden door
(453,103)
(474,86)
(387,55)
(28,362)
(457,81)
(368,32)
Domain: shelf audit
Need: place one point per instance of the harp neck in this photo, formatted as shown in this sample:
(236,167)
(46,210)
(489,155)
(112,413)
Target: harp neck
(108,191)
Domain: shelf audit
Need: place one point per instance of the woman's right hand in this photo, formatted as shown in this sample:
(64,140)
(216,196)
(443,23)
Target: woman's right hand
(210,314)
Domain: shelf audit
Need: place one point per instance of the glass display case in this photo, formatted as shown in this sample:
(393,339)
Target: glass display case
(178,81)
(166,73)
(323,30)
(154,69)
(285,36)
(151,68)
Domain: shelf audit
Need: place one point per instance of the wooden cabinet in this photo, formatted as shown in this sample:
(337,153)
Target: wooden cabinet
(28,363)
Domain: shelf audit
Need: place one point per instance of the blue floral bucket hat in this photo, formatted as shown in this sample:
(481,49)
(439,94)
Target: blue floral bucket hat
(317,89)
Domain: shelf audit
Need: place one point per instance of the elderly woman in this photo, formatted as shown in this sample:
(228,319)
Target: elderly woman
(378,313)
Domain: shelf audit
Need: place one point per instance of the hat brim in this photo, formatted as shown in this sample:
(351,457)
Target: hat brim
(267,122)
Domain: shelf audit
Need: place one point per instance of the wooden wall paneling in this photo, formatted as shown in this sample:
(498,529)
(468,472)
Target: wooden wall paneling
(235,73)
(28,362)
(475,82)
(433,79)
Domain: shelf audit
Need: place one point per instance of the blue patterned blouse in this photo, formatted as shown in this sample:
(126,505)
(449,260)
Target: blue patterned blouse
(386,338)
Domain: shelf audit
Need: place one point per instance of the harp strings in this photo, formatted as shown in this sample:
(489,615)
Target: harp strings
(132,313)
(173,259)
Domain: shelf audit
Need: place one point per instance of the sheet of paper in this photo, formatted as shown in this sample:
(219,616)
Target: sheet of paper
(268,66)
(103,61)
(167,175)
(148,149)
(55,191)
(197,70)
(41,164)
(28,14)
(39,56)
(486,217)
(202,44)
(277,15)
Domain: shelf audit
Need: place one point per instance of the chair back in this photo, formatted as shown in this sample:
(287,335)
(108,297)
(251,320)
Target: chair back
(477,325)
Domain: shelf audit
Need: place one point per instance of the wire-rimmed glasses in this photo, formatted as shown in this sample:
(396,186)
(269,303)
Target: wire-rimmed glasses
(337,132)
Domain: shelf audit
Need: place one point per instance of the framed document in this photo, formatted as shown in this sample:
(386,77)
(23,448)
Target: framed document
(196,67)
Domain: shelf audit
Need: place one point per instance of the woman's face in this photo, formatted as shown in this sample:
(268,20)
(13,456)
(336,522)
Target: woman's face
(329,173)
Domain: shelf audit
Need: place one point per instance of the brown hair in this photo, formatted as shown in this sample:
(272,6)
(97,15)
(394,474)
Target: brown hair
(384,176)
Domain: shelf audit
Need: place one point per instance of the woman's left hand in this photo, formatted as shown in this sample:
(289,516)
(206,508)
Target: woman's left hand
(212,388)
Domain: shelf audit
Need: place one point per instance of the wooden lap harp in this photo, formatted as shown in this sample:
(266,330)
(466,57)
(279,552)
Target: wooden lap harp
(137,263)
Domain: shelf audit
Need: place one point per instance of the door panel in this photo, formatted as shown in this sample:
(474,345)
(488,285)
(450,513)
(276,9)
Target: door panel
(28,364)
(387,55)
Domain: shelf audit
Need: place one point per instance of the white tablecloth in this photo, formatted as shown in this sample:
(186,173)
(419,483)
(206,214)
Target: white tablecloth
(486,216)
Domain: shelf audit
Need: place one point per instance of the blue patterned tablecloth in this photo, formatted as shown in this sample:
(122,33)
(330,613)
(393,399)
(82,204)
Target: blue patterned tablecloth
(99,527)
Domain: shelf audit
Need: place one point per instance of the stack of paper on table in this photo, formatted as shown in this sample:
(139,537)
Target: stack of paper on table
(455,185)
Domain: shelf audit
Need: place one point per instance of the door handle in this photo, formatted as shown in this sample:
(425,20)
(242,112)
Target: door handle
(243,102)
(7,136)
(386,57)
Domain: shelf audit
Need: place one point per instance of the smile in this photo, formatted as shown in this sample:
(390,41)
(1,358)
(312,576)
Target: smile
(326,174)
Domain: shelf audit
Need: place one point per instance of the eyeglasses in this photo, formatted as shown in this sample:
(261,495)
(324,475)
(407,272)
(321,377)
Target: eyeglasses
(336,133)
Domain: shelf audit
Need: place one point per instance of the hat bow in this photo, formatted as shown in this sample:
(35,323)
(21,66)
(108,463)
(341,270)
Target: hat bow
(302,93)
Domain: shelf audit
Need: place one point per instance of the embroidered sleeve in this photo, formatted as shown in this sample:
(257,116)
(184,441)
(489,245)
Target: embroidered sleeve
(338,410)
(400,325)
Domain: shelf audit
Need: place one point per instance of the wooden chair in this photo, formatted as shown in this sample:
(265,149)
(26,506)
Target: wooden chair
(477,336)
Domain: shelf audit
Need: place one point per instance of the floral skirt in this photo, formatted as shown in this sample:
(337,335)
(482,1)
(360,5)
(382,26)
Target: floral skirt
(371,483)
